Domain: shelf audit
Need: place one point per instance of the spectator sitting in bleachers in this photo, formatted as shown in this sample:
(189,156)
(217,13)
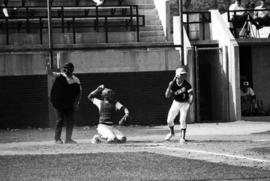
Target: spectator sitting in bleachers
(239,17)
(262,17)
(248,99)
(98,2)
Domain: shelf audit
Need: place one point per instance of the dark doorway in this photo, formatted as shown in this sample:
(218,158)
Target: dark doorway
(246,65)
(211,97)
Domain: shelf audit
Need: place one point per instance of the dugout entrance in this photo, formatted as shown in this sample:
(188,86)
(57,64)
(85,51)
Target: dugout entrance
(211,85)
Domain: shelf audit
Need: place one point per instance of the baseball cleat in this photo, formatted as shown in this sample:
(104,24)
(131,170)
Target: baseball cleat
(168,136)
(182,141)
(70,141)
(58,141)
(96,139)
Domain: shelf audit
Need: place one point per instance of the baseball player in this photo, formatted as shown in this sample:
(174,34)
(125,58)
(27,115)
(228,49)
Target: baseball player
(107,108)
(182,93)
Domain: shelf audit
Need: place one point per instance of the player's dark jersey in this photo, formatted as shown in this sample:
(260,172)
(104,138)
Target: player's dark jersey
(63,95)
(181,92)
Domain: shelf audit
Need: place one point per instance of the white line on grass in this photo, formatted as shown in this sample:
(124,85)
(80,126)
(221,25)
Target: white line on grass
(216,154)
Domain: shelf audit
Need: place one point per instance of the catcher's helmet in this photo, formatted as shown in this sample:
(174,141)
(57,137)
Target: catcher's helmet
(108,94)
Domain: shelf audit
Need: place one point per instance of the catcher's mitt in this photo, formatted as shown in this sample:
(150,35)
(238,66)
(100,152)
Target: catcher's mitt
(125,120)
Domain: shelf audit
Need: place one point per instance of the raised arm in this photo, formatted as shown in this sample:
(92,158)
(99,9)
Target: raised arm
(49,70)
(169,91)
(96,92)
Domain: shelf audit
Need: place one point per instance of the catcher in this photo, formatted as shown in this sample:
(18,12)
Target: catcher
(108,107)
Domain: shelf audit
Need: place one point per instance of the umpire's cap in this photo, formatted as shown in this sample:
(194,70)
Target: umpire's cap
(69,66)
(179,71)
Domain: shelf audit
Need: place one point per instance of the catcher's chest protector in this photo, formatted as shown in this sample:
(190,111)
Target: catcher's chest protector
(107,111)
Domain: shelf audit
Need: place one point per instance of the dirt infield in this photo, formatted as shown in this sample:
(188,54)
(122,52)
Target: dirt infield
(238,143)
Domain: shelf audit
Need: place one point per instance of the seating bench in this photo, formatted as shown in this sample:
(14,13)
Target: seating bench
(73,24)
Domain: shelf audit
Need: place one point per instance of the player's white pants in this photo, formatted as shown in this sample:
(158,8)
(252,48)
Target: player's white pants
(109,132)
(176,108)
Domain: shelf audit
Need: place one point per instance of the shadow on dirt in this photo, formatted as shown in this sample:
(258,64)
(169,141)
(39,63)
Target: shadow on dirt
(261,150)
(263,133)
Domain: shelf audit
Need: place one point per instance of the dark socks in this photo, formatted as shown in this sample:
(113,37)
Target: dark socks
(172,130)
(183,133)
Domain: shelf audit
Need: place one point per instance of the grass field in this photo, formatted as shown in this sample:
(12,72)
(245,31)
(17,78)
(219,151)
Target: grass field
(120,166)
(241,152)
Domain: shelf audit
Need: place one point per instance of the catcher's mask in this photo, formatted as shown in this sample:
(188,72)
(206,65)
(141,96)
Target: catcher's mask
(108,94)
(68,68)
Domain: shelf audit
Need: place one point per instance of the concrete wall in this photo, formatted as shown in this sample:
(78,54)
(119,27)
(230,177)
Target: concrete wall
(261,74)
(122,60)
(92,61)
(22,64)
(230,64)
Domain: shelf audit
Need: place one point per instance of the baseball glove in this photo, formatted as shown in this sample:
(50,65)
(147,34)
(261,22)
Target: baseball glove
(125,120)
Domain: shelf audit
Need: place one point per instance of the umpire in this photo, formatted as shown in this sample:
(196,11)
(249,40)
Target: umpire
(65,97)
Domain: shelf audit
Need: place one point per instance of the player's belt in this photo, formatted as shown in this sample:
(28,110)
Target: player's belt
(106,123)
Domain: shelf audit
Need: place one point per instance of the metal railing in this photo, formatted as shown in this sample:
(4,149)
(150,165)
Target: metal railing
(32,18)
(244,19)
(250,12)
(198,21)
(76,2)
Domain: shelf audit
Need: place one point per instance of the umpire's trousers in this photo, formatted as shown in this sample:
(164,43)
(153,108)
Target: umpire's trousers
(64,116)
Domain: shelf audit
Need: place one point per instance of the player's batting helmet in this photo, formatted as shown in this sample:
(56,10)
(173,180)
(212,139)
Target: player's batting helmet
(179,71)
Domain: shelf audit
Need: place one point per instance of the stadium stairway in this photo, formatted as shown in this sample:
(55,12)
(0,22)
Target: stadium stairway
(152,31)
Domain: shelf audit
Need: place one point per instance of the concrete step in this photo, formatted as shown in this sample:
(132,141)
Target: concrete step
(151,33)
(151,28)
(147,12)
(153,39)
(152,21)
(146,6)
(138,2)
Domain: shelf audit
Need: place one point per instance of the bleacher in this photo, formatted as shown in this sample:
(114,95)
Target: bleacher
(70,20)
(247,28)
